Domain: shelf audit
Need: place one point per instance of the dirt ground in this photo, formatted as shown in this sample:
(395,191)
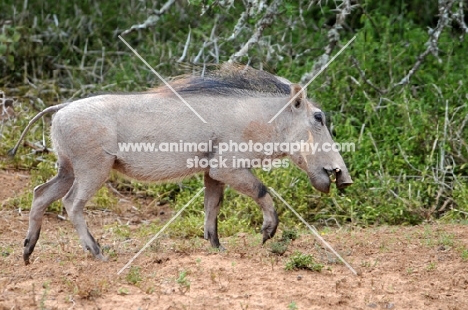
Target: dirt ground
(421,267)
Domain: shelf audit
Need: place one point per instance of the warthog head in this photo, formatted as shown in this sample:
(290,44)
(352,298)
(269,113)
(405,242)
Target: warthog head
(322,160)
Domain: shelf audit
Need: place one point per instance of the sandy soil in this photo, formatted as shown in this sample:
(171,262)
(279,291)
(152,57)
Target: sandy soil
(421,267)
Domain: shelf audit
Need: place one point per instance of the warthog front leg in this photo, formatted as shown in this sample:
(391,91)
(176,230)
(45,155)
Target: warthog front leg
(44,195)
(243,181)
(213,200)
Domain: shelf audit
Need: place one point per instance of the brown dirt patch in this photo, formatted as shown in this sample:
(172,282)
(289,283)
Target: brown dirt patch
(12,183)
(421,267)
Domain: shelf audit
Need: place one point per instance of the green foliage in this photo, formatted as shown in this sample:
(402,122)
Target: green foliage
(300,260)
(290,234)
(134,275)
(280,246)
(121,231)
(122,291)
(292,306)
(464,254)
(5,251)
(183,282)
(9,40)
(104,199)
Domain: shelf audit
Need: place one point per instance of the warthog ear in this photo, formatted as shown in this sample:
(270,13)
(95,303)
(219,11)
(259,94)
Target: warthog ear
(299,95)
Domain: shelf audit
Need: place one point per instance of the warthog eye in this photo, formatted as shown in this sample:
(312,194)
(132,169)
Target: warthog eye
(318,117)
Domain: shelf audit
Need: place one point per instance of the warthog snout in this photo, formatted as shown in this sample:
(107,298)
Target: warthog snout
(339,176)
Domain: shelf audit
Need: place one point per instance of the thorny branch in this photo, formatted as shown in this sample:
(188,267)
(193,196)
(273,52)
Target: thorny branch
(152,20)
(241,22)
(445,8)
(459,16)
(344,9)
(445,19)
(363,76)
(212,42)
(187,43)
(261,25)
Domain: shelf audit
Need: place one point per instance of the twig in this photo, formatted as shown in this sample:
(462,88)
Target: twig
(187,43)
(240,23)
(152,20)
(261,25)
(459,16)
(363,76)
(434,35)
(344,9)
(463,212)
(114,190)
(406,159)
(211,41)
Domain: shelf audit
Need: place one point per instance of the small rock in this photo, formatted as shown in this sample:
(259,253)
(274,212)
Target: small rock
(299,277)
(372,305)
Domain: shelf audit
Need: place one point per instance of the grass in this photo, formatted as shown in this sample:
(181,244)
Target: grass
(183,281)
(464,254)
(43,299)
(279,247)
(122,291)
(431,266)
(121,231)
(134,275)
(292,306)
(300,260)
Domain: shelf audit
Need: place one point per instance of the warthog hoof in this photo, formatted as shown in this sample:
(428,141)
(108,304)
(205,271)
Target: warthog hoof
(268,232)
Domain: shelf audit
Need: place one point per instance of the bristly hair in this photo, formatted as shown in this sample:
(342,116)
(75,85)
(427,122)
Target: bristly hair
(230,79)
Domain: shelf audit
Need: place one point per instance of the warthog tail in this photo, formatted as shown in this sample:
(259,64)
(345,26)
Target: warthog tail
(48,110)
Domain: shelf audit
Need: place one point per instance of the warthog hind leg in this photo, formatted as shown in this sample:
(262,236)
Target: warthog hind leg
(243,181)
(88,179)
(213,200)
(44,195)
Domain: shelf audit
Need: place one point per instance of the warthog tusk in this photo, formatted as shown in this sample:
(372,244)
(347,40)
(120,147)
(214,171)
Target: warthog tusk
(337,170)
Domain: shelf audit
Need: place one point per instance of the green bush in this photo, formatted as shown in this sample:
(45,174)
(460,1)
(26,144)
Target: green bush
(300,260)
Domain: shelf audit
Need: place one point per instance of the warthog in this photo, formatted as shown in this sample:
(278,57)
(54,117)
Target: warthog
(236,103)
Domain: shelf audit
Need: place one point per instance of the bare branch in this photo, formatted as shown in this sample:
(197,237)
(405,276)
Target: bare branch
(187,43)
(344,9)
(459,16)
(445,8)
(363,76)
(211,42)
(227,4)
(261,25)
(240,23)
(152,20)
